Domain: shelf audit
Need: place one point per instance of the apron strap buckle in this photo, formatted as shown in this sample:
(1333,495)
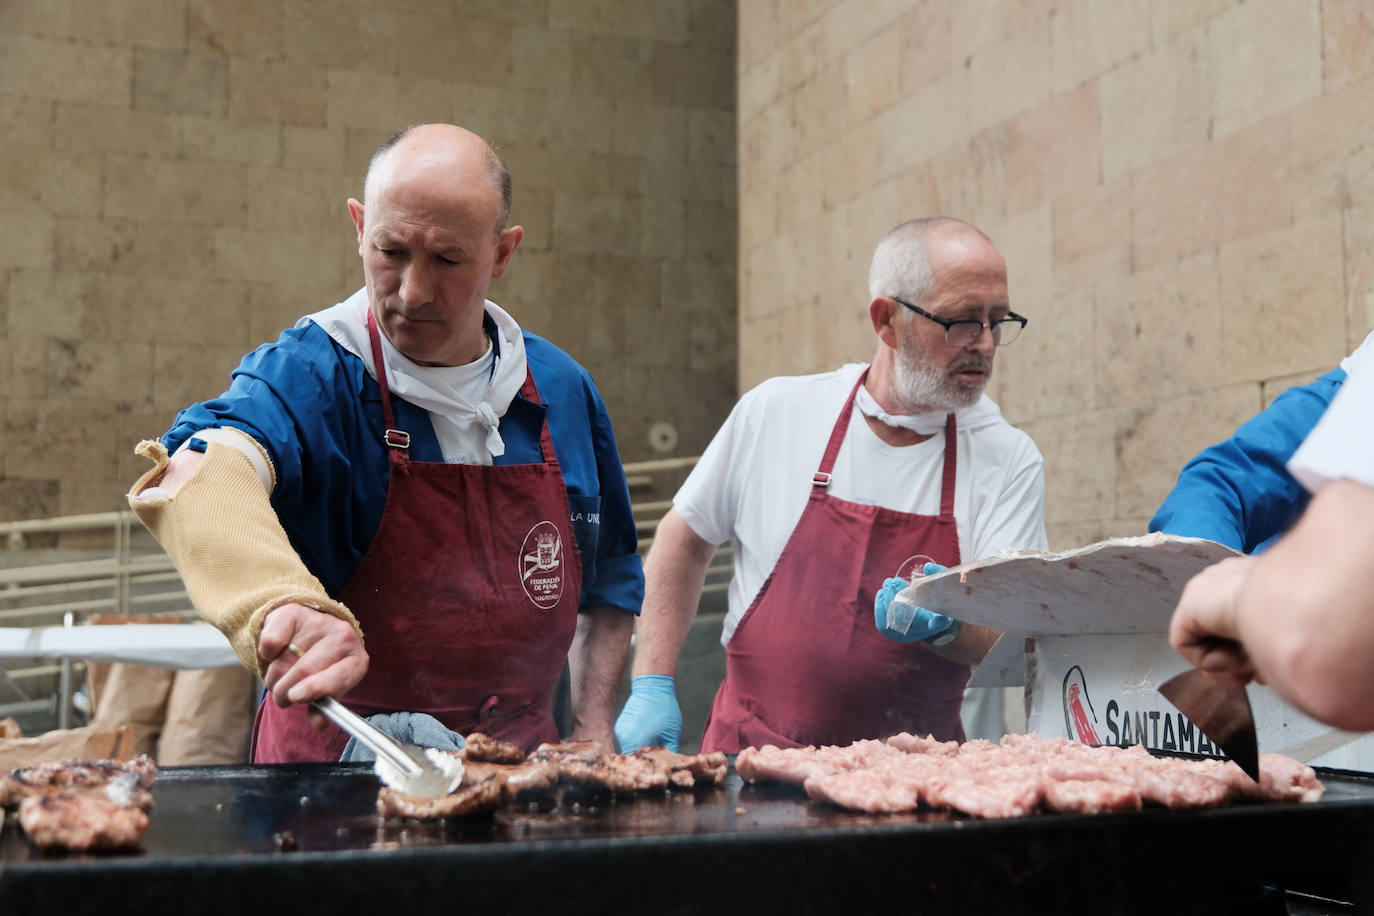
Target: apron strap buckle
(820,479)
(396,438)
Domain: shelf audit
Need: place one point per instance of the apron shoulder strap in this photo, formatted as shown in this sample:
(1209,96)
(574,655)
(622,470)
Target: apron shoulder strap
(397,440)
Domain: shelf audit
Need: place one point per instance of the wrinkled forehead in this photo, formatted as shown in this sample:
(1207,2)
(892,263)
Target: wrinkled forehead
(432,192)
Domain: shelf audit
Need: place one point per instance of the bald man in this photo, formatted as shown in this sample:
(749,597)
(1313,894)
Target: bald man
(407,501)
(829,485)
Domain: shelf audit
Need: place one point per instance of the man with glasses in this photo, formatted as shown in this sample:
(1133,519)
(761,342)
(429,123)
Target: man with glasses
(831,484)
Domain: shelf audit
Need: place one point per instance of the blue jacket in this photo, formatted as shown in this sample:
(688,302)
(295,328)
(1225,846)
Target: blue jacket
(314,407)
(1239,492)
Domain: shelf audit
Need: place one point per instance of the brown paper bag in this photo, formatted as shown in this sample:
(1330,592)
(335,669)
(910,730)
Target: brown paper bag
(87,743)
(209,717)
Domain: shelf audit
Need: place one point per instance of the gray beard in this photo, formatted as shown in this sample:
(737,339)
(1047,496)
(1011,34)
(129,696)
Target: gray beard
(918,386)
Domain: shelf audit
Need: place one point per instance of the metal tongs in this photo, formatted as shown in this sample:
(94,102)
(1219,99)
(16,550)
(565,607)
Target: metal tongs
(424,772)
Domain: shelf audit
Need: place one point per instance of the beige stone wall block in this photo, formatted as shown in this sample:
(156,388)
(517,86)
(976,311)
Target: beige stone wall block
(801,191)
(852,159)
(316,149)
(250,29)
(285,199)
(971,178)
(1049,371)
(1155,441)
(77,125)
(806,272)
(662,228)
(925,51)
(1156,105)
(1347,42)
(1090,37)
(186,82)
(917,192)
(279,93)
(275,304)
(1092,232)
(711,135)
(43,302)
(712,339)
(692,77)
(658,21)
(761,30)
(604,65)
(871,75)
(55,439)
(94,369)
(24,499)
(533,210)
(429,37)
(261,254)
(711,235)
(27,239)
(147,23)
(651,131)
(767,142)
(131,427)
(810,50)
(581,122)
(1333,150)
(143,247)
(819,110)
(974,27)
(1080,464)
(655,335)
(41,181)
(27,121)
(924,124)
(1053,148)
(25,372)
(1358,233)
(187,373)
(1174,16)
(1026,243)
(758,213)
(867,218)
(1159,332)
(540,59)
(140,307)
(180,190)
(71,71)
(1272,388)
(1010,76)
(1266,57)
(362,35)
(760,85)
(361,99)
(1283,302)
(1207,196)
(1070,535)
(231,141)
(698,286)
(595,223)
(767,283)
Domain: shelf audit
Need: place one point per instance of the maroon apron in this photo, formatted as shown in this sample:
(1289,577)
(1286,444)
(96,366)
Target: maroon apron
(806,665)
(467,595)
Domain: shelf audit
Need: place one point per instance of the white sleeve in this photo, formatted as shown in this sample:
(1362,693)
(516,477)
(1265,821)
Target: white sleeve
(1342,443)
(1016,518)
(709,498)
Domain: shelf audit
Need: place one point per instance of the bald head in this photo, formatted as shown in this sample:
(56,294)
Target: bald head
(901,260)
(444,154)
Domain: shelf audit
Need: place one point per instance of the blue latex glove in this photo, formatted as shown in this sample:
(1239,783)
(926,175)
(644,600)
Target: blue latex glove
(651,717)
(925,625)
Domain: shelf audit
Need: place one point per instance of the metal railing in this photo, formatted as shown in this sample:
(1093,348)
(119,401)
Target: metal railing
(68,570)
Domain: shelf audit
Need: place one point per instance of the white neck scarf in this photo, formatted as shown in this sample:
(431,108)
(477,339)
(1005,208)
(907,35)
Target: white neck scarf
(465,403)
(983,412)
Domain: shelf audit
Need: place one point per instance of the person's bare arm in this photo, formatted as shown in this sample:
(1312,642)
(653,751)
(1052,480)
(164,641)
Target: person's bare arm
(1300,616)
(674,573)
(596,665)
(972,645)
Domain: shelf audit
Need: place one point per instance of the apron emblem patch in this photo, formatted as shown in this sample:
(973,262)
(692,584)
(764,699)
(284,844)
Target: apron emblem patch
(541,565)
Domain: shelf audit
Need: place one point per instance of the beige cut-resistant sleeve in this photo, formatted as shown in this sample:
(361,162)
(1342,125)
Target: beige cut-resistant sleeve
(220,530)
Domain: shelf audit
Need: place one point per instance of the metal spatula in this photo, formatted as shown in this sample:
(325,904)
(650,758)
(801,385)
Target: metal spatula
(424,772)
(1221,709)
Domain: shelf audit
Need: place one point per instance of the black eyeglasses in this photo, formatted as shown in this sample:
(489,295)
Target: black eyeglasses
(964,332)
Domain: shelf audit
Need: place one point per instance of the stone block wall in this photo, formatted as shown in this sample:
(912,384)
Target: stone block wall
(1183,190)
(175,171)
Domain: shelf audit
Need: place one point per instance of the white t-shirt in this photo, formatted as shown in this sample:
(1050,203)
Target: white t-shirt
(753,480)
(1341,445)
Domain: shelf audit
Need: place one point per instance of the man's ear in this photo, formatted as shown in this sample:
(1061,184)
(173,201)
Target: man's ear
(506,243)
(883,313)
(355,210)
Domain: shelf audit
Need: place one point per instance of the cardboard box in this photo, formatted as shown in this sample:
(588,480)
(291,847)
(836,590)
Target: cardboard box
(1099,616)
